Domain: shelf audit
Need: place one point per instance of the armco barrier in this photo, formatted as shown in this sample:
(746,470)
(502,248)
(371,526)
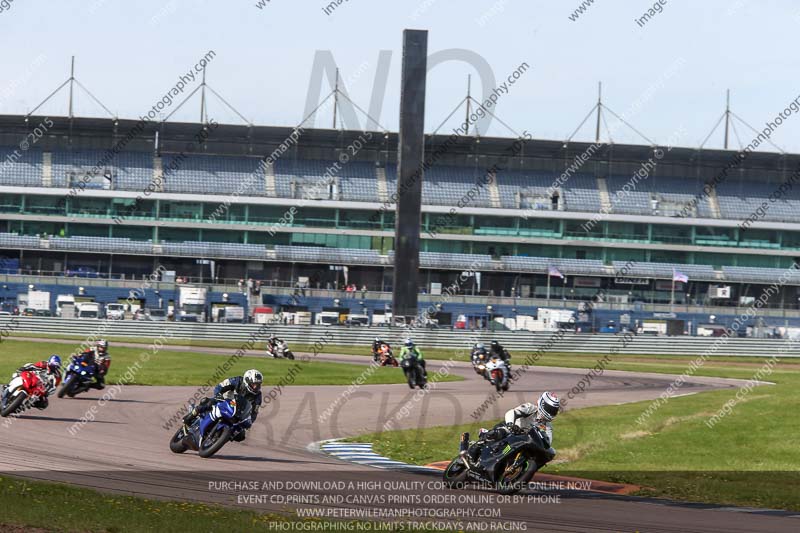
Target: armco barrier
(517,342)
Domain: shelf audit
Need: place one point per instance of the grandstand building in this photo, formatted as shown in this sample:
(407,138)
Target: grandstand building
(88,195)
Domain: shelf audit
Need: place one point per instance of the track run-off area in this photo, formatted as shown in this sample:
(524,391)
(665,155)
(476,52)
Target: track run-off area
(122,447)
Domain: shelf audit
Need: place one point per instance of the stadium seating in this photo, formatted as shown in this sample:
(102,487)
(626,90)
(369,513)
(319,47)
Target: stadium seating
(22,169)
(130,170)
(540,265)
(12,240)
(757,274)
(442,184)
(205,174)
(101,244)
(665,270)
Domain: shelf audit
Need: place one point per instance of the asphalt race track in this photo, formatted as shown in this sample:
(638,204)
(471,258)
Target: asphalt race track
(125,449)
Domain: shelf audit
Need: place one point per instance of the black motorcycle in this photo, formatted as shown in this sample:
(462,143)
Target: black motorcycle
(414,372)
(506,465)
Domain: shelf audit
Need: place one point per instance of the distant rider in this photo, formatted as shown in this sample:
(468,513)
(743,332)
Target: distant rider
(526,417)
(49,372)
(246,387)
(479,354)
(100,360)
(410,350)
(272,345)
(376,347)
(496,350)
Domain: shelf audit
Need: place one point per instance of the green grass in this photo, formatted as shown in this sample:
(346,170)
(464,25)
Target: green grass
(186,368)
(56,507)
(750,457)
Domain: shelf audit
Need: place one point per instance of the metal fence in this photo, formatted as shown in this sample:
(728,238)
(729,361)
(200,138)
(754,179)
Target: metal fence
(517,342)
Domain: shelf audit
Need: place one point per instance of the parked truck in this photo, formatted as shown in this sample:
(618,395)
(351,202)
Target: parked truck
(34,303)
(192,304)
(62,299)
(87,310)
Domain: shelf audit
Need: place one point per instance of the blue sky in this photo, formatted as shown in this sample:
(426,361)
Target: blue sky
(129,53)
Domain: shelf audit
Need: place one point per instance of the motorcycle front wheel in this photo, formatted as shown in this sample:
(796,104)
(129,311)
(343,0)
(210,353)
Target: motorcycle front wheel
(12,407)
(410,378)
(455,474)
(67,386)
(214,442)
(515,477)
(177,444)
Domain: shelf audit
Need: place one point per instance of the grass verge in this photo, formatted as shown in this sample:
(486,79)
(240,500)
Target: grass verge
(57,507)
(749,457)
(187,368)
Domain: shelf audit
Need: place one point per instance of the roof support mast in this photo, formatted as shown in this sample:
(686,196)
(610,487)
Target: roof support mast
(469,101)
(71,83)
(727,115)
(599,110)
(335,97)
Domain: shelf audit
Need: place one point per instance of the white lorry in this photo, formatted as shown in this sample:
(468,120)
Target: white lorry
(192,304)
(115,311)
(87,310)
(62,299)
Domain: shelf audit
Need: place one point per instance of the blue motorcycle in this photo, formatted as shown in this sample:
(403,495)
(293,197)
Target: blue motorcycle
(78,377)
(227,420)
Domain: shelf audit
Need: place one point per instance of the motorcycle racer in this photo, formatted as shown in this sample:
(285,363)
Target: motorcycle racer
(410,350)
(479,355)
(497,350)
(101,361)
(247,387)
(525,417)
(377,346)
(50,373)
(272,345)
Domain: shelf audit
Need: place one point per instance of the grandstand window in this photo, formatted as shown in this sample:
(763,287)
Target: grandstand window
(10,203)
(672,234)
(88,230)
(181,210)
(266,213)
(178,234)
(86,206)
(46,205)
(791,239)
(210,235)
(135,233)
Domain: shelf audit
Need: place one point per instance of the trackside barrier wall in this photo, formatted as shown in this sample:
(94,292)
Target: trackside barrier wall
(517,342)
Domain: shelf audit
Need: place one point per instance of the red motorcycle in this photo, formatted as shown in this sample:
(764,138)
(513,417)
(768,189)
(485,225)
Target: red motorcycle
(386,357)
(24,389)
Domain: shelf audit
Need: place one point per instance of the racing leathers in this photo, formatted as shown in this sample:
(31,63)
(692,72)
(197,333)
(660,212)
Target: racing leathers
(497,350)
(525,417)
(100,362)
(414,352)
(50,379)
(229,389)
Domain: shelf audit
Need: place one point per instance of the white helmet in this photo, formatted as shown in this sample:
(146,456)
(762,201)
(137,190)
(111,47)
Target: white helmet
(253,380)
(548,405)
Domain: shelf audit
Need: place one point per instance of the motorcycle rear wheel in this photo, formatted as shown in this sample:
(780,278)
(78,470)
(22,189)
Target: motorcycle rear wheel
(14,406)
(219,437)
(290,355)
(177,444)
(455,474)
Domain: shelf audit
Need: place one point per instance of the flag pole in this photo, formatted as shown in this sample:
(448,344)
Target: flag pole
(672,294)
(548,286)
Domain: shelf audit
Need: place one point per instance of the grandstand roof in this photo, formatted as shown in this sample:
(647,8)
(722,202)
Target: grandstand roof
(317,143)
